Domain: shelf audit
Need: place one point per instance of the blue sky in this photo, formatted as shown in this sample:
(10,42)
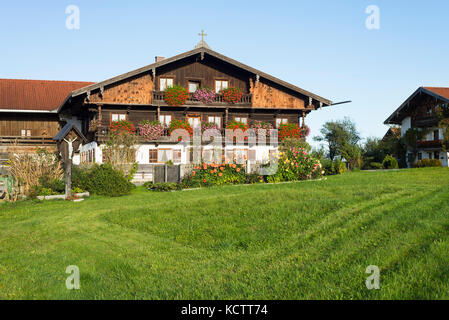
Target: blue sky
(322,46)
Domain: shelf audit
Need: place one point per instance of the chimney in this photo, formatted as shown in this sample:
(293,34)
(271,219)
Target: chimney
(159,58)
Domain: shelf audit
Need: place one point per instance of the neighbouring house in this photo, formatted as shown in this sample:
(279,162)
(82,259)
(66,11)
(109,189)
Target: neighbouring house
(420,111)
(34,111)
(29,113)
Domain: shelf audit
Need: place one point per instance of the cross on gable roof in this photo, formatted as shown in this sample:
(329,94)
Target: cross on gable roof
(66,130)
(202,51)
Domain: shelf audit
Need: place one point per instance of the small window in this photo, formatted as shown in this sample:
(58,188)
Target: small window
(420,156)
(240,155)
(194,121)
(153,155)
(216,120)
(221,85)
(165,120)
(241,119)
(25,133)
(436,135)
(280,121)
(177,156)
(436,155)
(118,117)
(429,111)
(193,86)
(165,83)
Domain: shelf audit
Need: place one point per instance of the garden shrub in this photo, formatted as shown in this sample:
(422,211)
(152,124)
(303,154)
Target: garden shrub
(428,163)
(101,180)
(376,165)
(390,162)
(297,164)
(218,174)
(56,185)
(163,187)
(333,167)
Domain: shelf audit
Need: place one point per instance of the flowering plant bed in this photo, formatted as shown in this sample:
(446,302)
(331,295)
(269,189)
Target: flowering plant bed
(176,95)
(296,164)
(122,126)
(232,95)
(218,174)
(204,95)
(290,130)
(151,131)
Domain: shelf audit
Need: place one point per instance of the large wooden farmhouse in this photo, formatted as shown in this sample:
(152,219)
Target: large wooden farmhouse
(32,112)
(420,110)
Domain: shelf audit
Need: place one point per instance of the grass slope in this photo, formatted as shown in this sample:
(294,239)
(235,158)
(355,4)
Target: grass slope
(307,240)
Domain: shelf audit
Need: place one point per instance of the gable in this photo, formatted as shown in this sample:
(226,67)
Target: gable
(237,69)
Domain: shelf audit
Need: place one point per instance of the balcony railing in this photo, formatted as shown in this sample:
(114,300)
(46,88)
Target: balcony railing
(102,134)
(43,140)
(429,144)
(158,96)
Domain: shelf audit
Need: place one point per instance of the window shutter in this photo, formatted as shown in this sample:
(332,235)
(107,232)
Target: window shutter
(252,155)
(153,155)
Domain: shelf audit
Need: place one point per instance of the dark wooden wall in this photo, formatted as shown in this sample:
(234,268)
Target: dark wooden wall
(205,72)
(40,124)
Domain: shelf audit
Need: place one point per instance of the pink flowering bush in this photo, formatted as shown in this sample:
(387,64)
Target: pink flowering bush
(151,131)
(204,95)
(296,164)
(258,125)
(209,125)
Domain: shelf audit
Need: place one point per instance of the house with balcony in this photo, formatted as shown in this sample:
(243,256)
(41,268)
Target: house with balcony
(140,95)
(420,111)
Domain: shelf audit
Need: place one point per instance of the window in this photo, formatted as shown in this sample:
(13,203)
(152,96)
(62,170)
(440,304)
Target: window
(241,119)
(429,111)
(118,117)
(220,85)
(164,83)
(240,155)
(280,121)
(420,156)
(164,155)
(436,135)
(216,120)
(25,133)
(153,155)
(194,121)
(193,86)
(429,155)
(177,156)
(165,120)
(436,155)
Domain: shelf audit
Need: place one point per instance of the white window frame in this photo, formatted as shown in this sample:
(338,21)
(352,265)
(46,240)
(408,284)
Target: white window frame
(280,121)
(118,117)
(221,85)
(165,119)
(165,83)
(241,119)
(215,119)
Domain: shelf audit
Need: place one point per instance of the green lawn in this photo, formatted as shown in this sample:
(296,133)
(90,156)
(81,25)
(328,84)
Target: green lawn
(306,240)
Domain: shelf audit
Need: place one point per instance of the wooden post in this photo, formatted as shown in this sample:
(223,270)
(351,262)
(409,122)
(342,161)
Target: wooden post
(68,178)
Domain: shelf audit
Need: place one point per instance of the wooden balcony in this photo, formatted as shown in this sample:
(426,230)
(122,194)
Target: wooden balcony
(246,100)
(21,140)
(430,144)
(424,122)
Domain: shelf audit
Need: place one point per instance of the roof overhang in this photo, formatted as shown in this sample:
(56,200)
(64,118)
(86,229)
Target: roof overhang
(201,52)
(396,117)
(28,111)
